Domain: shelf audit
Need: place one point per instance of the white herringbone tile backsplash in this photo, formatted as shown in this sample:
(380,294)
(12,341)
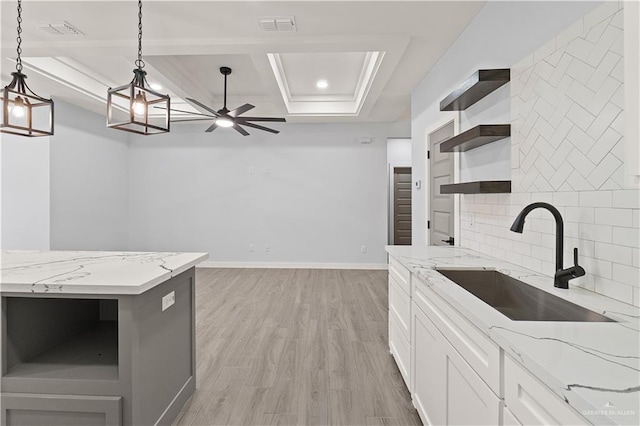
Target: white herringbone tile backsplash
(567,145)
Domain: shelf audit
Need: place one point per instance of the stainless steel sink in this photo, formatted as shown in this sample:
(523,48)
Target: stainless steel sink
(517,300)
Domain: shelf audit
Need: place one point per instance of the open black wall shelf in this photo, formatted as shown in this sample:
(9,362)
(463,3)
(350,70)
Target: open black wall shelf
(476,137)
(476,87)
(479,187)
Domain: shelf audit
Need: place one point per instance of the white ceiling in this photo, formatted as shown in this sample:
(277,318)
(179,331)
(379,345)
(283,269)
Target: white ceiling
(372,53)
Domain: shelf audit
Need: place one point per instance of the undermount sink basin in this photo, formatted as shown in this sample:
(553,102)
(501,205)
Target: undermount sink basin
(517,300)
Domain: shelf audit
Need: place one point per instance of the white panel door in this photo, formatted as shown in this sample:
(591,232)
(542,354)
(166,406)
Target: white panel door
(440,173)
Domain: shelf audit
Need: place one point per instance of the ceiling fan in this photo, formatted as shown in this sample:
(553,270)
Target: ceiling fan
(225,118)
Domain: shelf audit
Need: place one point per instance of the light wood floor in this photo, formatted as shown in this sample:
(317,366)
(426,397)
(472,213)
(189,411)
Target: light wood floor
(285,346)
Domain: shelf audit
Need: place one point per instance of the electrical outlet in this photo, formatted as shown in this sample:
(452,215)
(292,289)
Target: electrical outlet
(363,249)
(251,248)
(168,301)
(267,248)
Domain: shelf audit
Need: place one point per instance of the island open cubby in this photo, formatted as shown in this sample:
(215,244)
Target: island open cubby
(53,338)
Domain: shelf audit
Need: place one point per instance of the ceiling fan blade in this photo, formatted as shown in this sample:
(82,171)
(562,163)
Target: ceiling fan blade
(187,112)
(240,110)
(256,126)
(240,130)
(273,119)
(211,128)
(201,107)
(182,120)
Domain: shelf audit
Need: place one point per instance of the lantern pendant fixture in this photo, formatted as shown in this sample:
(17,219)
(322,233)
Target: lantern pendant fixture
(23,112)
(135,107)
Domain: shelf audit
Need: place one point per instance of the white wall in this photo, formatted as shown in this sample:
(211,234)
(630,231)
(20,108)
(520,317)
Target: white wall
(24,220)
(500,35)
(89,182)
(316,195)
(398,155)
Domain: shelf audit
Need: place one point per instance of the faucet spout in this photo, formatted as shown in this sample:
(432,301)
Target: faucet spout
(562,276)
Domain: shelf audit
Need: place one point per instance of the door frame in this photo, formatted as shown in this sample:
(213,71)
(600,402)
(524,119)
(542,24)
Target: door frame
(449,118)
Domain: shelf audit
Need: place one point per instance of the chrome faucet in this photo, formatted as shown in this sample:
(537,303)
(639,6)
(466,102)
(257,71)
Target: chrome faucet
(562,276)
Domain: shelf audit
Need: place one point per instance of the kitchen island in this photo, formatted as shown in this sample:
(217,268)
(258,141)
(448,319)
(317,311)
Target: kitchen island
(97,338)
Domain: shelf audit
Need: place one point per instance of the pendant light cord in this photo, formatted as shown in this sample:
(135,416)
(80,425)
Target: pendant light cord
(139,61)
(19,38)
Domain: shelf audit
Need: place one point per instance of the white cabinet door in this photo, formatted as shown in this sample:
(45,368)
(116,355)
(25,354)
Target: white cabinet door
(400,305)
(469,400)
(508,419)
(532,402)
(400,348)
(428,367)
(446,390)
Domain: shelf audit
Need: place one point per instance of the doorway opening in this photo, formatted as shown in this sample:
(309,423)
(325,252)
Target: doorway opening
(399,195)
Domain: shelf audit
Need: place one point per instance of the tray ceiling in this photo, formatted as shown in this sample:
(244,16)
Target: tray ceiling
(371,53)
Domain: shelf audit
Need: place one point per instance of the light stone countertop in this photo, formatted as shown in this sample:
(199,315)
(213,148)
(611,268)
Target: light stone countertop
(90,272)
(594,367)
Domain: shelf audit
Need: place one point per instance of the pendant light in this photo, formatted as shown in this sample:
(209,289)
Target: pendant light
(135,107)
(23,112)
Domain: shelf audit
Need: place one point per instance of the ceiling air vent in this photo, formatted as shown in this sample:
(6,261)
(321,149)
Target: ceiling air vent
(277,23)
(61,28)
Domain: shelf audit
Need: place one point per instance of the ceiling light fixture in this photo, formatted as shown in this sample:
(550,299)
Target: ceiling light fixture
(223,122)
(322,84)
(128,107)
(23,112)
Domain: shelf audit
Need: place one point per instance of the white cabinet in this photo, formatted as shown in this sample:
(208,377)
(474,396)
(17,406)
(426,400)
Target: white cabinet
(482,353)
(532,402)
(400,318)
(400,349)
(446,390)
(456,374)
(400,305)
(429,375)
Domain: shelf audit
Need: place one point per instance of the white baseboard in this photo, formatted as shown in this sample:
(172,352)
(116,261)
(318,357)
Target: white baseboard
(287,265)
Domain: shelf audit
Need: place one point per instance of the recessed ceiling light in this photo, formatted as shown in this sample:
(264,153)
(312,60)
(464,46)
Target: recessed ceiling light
(322,84)
(155,86)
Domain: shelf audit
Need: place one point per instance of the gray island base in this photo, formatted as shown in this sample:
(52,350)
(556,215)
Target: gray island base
(81,355)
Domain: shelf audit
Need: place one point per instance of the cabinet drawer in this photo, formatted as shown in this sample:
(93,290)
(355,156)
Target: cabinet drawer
(532,402)
(400,349)
(400,305)
(476,348)
(28,409)
(400,274)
